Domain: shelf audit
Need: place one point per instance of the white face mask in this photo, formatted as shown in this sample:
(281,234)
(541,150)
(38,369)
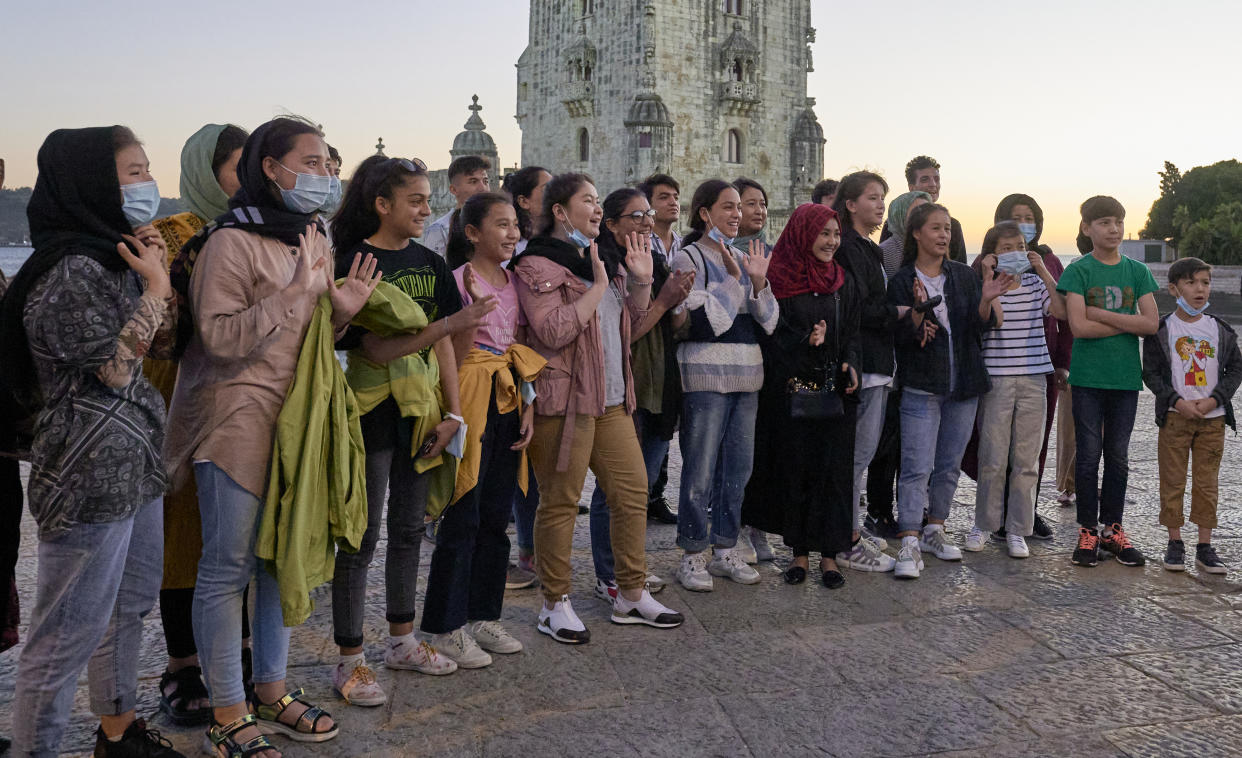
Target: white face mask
(1014,262)
(310,192)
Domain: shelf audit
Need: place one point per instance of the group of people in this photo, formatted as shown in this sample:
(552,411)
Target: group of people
(192,436)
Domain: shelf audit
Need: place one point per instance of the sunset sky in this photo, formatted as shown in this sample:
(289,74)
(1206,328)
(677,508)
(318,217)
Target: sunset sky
(1061,100)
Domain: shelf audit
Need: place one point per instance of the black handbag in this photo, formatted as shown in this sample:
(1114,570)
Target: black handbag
(819,400)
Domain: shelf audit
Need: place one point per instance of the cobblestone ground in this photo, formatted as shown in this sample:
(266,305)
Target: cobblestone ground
(987,657)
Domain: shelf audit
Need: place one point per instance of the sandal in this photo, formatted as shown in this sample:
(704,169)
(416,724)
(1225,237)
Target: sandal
(269,719)
(187,686)
(223,736)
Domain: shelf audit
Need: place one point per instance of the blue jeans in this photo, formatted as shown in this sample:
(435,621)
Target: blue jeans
(867,429)
(654,451)
(1103,420)
(524,507)
(717,451)
(929,472)
(96,583)
(230,517)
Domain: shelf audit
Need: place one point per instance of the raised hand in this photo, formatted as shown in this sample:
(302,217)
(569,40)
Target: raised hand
(597,266)
(308,277)
(1037,262)
(471,282)
(755,262)
(730,262)
(150,263)
(472,316)
(676,289)
(638,256)
(817,333)
(928,329)
(988,266)
(350,295)
(920,294)
(996,285)
(150,236)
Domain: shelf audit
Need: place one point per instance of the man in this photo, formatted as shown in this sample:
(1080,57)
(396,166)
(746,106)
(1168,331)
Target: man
(334,161)
(825,193)
(664,194)
(467,178)
(923,174)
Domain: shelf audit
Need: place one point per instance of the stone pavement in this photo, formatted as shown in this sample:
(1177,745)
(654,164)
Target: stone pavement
(988,657)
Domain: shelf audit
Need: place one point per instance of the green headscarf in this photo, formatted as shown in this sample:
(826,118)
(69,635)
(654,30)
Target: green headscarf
(899,208)
(199,189)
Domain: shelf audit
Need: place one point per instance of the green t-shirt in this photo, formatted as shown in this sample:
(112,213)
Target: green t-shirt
(1110,363)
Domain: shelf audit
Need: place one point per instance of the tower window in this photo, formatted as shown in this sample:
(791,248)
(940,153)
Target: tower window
(644,139)
(737,69)
(733,147)
(733,7)
(588,7)
(586,72)
(584,146)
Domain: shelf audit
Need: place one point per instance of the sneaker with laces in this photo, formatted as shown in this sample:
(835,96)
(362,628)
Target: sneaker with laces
(605,590)
(1087,552)
(355,681)
(975,540)
(408,654)
(909,559)
(1207,561)
(873,538)
(865,556)
(884,526)
(692,573)
(647,611)
(1041,531)
(1175,556)
(763,550)
(561,623)
(1117,543)
(731,566)
(137,742)
(1017,546)
(519,578)
(494,638)
(936,542)
(745,550)
(459,646)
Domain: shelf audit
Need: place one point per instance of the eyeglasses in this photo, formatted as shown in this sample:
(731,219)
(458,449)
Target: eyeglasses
(638,216)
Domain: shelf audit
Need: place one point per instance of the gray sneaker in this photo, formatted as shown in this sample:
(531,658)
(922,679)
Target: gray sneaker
(733,567)
(865,556)
(692,573)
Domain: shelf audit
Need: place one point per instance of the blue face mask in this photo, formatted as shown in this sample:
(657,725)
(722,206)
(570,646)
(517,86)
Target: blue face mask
(1028,231)
(140,202)
(1014,262)
(1181,303)
(576,238)
(715,234)
(334,197)
(309,194)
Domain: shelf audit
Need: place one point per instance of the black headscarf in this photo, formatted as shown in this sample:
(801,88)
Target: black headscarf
(75,209)
(1005,210)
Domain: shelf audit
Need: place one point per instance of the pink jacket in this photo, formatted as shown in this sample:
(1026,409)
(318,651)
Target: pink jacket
(573,381)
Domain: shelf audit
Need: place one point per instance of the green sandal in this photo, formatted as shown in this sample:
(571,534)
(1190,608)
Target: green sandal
(269,723)
(222,736)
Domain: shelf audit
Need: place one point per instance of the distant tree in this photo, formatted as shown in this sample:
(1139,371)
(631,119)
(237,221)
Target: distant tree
(1188,199)
(1218,238)
(1160,218)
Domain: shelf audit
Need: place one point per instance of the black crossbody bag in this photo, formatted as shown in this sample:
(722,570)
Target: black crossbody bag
(819,400)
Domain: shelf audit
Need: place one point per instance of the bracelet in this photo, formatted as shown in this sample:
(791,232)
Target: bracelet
(636,283)
(455,417)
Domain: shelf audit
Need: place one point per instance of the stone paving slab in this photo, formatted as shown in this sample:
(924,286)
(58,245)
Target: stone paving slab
(1191,739)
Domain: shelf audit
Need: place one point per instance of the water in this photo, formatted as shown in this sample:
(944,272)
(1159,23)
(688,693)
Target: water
(12,258)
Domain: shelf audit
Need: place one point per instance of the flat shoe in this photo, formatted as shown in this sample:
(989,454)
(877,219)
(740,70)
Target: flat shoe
(795,575)
(833,579)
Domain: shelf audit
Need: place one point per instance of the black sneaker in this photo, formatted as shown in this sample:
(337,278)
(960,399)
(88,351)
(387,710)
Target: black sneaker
(659,510)
(1087,553)
(1206,560)
(1042,530)
(1175,556)
(1119,545)
(137,742)
(884,526)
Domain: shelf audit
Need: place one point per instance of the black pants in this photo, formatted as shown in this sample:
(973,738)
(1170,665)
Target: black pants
(176,615)
(886,463)
(468,567)
(10,539)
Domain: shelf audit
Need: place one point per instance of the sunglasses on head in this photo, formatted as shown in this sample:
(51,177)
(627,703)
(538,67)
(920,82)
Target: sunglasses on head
(414,166)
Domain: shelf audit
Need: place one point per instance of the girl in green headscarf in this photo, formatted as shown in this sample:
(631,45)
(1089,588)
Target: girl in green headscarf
(898,211)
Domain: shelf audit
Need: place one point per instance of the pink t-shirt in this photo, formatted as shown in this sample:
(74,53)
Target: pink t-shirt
(499,329)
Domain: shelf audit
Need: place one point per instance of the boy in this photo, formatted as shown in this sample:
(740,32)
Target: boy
(1110,303)
(468,176)
(1193,366)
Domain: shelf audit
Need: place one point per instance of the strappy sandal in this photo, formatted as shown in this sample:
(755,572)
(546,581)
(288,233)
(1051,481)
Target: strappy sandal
(187,686)
(269,719)
(223,737)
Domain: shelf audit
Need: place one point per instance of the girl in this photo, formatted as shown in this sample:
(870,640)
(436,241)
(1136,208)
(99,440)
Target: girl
(252,282)
(78,319)
(385,207)
(898,212)
(579,310)
(942,376)
(525,186)
(468,567)
(722,371)
(801,486)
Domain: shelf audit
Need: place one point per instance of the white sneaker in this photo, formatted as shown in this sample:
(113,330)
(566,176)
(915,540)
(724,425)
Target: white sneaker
(936,542)
(1017,546)
(975,540)
(606,591)
(732,566)
(745,550)
(763,550)
(461,647)
(562,624)
(692,573)
(873,538)
(407,654)
(655,583)
(647,611)
(494,638)
(865,556)
(357,684)
(909,559)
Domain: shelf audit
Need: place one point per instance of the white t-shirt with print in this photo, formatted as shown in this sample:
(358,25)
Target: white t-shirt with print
(1194,352)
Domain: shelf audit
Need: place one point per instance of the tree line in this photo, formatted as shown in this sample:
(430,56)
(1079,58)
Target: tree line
(1200,212)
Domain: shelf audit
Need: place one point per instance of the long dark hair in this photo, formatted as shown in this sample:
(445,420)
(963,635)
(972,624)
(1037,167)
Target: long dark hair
(473,213)
(356,219)
(918,219)
(522,183)
(559,191)
(852,187)
(614,206)
(1093,209)
(705,196)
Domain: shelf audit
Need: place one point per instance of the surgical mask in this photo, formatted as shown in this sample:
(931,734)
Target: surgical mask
(309,194)
(334,197)
(1028,231)
(576,238)
(715,234)
(1181,303)
(140,202)
(1015,262)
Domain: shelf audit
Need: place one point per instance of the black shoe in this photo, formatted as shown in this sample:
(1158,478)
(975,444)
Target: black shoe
(1000,534)
(795,575)
(658,510)
(1042,530)
(1206,560)
(1117,543)
(833,579)
(137,742)
(884,526)
(1175,556)
(1087,553)
(5,744)
(180,688)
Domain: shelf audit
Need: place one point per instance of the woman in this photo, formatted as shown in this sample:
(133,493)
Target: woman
(942,375)
(627,213)
(579,310)
(252,281)
(721,373)
(525,186)
(801,485)
(466,585)
(78,319)
(899,209)
(208,179)
(385,208)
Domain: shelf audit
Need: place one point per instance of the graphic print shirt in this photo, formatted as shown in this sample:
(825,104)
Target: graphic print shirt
(1193,353)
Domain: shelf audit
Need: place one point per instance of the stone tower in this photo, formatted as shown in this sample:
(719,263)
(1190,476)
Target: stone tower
(473,139)
(694,88)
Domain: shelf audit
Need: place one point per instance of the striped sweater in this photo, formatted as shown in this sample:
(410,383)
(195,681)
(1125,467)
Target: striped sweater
(722,366)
